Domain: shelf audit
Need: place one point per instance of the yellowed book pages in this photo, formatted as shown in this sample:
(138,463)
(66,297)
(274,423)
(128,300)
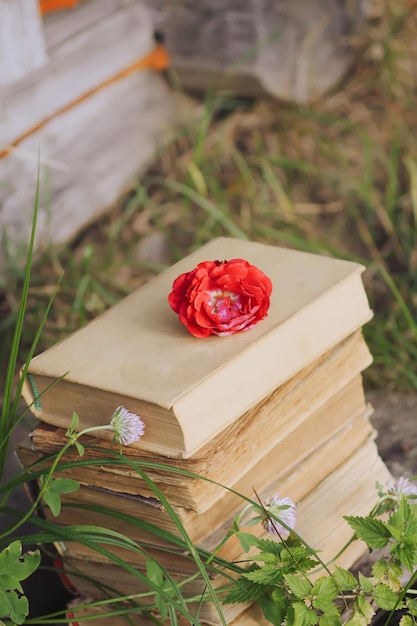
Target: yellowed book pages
(350,490)
(304,472)
(253,616)
(187,390)
(231,454)
(300,444)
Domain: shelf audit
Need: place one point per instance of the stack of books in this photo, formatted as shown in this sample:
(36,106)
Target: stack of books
(278,409)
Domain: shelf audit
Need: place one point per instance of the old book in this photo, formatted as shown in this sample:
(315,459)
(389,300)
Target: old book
(252,616)
(240,446)
(140,518)
(350,490)
(188,390)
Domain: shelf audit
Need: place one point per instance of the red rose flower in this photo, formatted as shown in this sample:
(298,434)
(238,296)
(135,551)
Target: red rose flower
(221,297)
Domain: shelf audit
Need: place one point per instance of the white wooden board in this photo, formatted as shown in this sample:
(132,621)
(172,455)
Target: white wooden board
(22,45)
(90,154)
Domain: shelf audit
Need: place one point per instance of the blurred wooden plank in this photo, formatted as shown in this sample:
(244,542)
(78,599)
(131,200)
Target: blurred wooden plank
(22,44)
(90,152)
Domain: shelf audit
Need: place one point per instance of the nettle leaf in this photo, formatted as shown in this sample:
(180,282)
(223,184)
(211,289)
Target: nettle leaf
(245,590)
(345,580)
(406,620)
(389,573)
(332,619)
(263,557)
(298,559)
(403,523)
(300,587)
(385,598)
(300,615)
(279,596)
(366,584)
(273,611)
(406,552)
(412,606)
(262,576)
(357,619)
(362,613)
(365,608)
(326,592)
(372,531)
(275,547)
(15,567)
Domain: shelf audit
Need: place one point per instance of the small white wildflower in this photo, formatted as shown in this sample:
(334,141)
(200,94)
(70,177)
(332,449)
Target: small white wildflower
(402,487)
(127,427)
(284,509)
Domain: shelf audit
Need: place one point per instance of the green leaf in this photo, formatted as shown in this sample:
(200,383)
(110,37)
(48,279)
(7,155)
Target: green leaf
(403,523)
(247,541)
(362,613)
(64,485)
(412,606)
(264,557)
(406,620)
(300,586)
(245,590)
(273,609)
(80,448)
(15,567)
(154,572)
(385,598)
(262,576)
(357,619)
(389,573)
(365,608)
(297,559)
(406,552)
(372,531)
(52,495)
(74,422)
(325,591)
(300,615)
(330,620)
(344,579)
(53,500)
(365,583)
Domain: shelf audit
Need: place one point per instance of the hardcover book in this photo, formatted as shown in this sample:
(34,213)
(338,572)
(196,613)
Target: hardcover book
(187,390)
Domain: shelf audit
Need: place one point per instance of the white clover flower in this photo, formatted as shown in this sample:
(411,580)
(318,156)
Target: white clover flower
(402,487)
(284,509)
(127,427)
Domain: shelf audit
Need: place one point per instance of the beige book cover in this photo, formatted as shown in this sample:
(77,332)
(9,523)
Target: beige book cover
(188,389)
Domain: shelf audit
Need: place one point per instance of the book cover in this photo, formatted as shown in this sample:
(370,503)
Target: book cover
(186,389)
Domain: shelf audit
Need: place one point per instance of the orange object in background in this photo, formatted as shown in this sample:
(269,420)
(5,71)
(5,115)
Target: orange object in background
(46,6)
